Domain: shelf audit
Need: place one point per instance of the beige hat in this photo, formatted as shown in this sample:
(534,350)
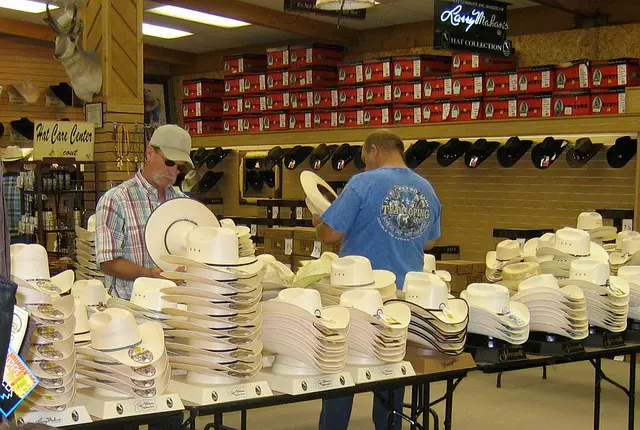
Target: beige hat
(14,153)
(174,141)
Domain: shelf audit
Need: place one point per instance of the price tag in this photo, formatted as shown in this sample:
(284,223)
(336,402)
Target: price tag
(334,119)
(584,76)
(622,74)
(309,55)
(475,61)
(285,99)
(446,110)
(285,56)
(241,65)
(299,212)
(546,107)
(360,117)
(475,110)
(385,115)
(309,98)
(307,120)
(309,77)
(447,87)
(477,85)
(275,212)
(513,108)
(417,69)
(334,98)
(627,224)
(19,325)
(285,79)
(387,92)
(254,230)
(513,82)
(417,115)
(317,249)
(18,381)
(288,246)
(622,103)
(417,91)
(263,83)
(359,73)
(546,79)
(360,94)
(283,120)
(386,69)
(263,103)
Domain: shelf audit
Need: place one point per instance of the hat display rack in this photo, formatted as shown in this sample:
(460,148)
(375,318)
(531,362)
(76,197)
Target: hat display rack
(203,178)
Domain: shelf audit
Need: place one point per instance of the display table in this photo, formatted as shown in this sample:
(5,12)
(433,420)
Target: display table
(162,419)
(594,356)
(428,369)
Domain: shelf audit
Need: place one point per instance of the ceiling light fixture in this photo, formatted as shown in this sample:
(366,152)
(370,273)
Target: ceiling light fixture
(348,4)
(163,32)
(196,16)
(26,6)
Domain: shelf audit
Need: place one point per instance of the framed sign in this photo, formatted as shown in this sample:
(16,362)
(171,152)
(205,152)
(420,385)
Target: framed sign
(64,139)
(309,6)
(472,26)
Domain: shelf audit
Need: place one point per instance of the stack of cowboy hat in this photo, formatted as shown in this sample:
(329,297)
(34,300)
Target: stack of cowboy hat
(627,255)
(222,293)
(314,270)
(507,252)
(304,334)
(30,268)
(354,273)
(591,222)
(631,274)
(90,293)
(124,357)
(319,194)
(277,276)
(617,245)
(377,331)
(429,266)
(514,274)
(569,244)
(246,247)
(86,266)
(607,296)
(552,309)
(493,314)
(438,320)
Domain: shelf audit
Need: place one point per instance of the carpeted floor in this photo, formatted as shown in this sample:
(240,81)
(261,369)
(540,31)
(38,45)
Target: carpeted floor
(525,402)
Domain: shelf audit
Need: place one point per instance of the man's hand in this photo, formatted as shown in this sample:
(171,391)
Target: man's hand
(155,272)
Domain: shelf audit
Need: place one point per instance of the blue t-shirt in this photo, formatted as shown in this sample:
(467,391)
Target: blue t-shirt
(386,215)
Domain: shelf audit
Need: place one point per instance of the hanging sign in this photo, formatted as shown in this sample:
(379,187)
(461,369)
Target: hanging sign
(309,6)
(63,139)
(472,26)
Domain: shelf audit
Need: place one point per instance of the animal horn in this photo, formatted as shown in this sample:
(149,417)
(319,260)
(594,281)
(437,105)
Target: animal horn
(52,22)
(73,20)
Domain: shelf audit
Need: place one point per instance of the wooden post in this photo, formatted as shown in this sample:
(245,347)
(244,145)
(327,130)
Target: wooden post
(114,30)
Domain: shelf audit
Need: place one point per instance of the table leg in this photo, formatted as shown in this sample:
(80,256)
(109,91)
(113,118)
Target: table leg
(544,372)
(499,380)
(632,391)
(448,416)
(414,405)
(217,418)
(597,363)
(426,398)
(243,419)
(391,417)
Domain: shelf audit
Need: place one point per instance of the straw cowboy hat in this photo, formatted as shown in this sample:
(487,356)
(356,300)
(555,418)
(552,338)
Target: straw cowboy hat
(319,194)
(631,274)
(87,234)
(429,266)
(168,228)
(356,272)
(91,293)
(44,307)
(277,275)
(314,270)
(507,252)
(514,274)
(30,267)
(627,234)
(28,91)
(147,298)
(367,305)
(628,253)
(571,243)
(305,304)
(81,333)
(15,153)
(591,222)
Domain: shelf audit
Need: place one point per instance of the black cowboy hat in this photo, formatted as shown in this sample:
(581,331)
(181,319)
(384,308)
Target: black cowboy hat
(342,157)
(358,161)
(296,156)
(321,155)
(215,156)
(254,179)
(273,157)
(620,153)
(198,156)
(583,151)
(64,92)
(451,151)
(479,151)
(1,129)
(209,180)
(24,127)
(545,153)
(269,177)
(512,151)
(419,151)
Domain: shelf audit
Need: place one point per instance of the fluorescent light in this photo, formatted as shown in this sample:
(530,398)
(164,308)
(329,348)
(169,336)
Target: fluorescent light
(163,32)
(196,16)
(26,6)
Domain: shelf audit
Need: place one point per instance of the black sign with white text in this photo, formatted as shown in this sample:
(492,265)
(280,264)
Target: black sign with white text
(309,6)
(472,26)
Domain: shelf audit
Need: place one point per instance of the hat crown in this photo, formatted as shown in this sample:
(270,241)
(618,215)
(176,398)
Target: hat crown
(26,295)
(589,271)
(507,250)
(88,292)
(625,235)
(306,298)
(227,223)
(113,329)
(573,241)
(213,245)
(171,137)
(520,271)
(352,271)
(630,245)
(91,223)
(630,274)
(29,262)
(425,290)
(492,297)
(82,319)
(547,239)
(589,220)
(13,152)
(545,280)
(146,293)
(368,301)
(429,263)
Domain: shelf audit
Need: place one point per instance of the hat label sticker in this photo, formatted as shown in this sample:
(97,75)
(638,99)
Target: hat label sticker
(144,371)
(386,318)
(45,284)
(51,311)
(140,354)
(49,351)
(53,369)
(49,333)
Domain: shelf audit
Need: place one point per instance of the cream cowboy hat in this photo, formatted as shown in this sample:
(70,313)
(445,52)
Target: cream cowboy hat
(115,384)
(217,350)
(530,250)
(591,222)
(58,399)
(81,333)
(622,236)
(30,267)
(90,293)
(248,300)
(245,286)
(147,297)
(28,91)
(306,305)
(319,194)
(277,275)
(222,310)
(52,351)
(628,253)
(53,369)
(491,303)
(52,382)
(356,272)
(572,243)
(45,334)
(93,370)
(631,274)
(429,266)
(44,308)
(150,371)
(169,225)
(514,274)
(507,252)
(88,235)
(367,305)
(91,258)
(15,153)
(86,247)
(314,270)
(592,275)
(213,252)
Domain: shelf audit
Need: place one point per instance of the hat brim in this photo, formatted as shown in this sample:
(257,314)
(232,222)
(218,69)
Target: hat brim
(229,309)
(53,351)
(317,201)
(57,313)
(243,299)
(224,329)
(85,235)
(231,287)
(457,311)
(243,369)
(245,268)
(53,369)
(117,386)
(394,316)
(241,320)
(148,351)
(88,369)
(332,317)
(177,156)
(239,355)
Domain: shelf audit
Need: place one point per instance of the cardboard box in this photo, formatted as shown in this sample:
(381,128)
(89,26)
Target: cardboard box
(350,96)
(428,361)
(300,120)
(231,125)
(500,83)
(466,110)
(204,108)
(418,66)
(203,127)
(304,241)
(202,88)
(535,105)
(467,85)
(537,79)
(571,103)
(278,241)
(463,272)
(233,106)
(274,101)
(232,86)
(505,107)
(278,58)
(377,70)
(274,121)
(436,111)
(277,80)
(621,72)
(315,55)
(405,114)
(313,78)
(252,104)
(255,83)
(407,92)
(377,94)
(437,87)
(350,73)
(607,101)
(244,63)
(251,123)
(573,75)
(465,62)
(325,119)
(376,115)
(350,117)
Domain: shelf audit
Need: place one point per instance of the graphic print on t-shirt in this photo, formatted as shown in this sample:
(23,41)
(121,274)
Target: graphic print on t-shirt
(405,213)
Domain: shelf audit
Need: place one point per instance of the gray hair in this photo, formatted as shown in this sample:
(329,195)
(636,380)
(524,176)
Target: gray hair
(385,141)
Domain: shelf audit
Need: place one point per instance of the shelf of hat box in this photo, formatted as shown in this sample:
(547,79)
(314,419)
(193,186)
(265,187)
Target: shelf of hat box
(580,125)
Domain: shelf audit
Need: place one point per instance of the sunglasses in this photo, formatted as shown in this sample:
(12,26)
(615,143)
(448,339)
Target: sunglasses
(170,163)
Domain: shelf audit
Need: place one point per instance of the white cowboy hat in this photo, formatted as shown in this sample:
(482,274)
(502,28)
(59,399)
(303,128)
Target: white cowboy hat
(58,311)
(314,270)
(87,234)
(628,253)
(242,231)
(86,249)
(52,351)
(592,275)
(367,305)
(507,252)
(591,222)
(626,234)
(150,371)
(213,252)
(15,153)
(492,303)
(237,354)
(356,272)
(193,177)
(514,274)
(572,243)
(429,266)
(30,267)
(81,333)
(169,225)
(58,399)
(53,369)
(247,367)
(96,371)
(44,334)
(631,274)
(546,284)
(86,263)
(90,293)
(115,384)
(51,382)
(277,275)
(146,296)
(530,250)
(207,341)
(319,194)
(224,309)
(115,335)
(88,273)
(248,300)
(245,286)
(86,256)
(305,304)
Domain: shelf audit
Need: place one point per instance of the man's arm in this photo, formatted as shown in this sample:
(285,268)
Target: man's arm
(430,244)
(325,233)
(125,269)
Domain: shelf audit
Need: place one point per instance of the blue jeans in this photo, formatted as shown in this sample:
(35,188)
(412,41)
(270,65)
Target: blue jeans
(336,412)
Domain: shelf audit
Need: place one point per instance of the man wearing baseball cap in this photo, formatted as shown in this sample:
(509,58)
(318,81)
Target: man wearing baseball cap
(123,211)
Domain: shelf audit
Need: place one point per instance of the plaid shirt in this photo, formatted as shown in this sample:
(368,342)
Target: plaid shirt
(121,216)
(12,201)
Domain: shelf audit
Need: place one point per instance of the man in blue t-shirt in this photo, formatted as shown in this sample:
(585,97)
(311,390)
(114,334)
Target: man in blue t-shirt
(390,215)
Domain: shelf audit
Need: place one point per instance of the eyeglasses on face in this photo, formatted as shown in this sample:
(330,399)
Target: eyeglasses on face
(182,168)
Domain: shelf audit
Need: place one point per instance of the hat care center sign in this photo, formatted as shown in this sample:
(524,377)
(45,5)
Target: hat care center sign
(64,139)
(472,26)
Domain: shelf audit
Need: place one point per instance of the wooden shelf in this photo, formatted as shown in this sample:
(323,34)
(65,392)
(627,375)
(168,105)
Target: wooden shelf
(604,124)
